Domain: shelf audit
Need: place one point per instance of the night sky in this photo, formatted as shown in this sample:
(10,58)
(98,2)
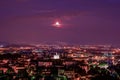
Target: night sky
(82,21)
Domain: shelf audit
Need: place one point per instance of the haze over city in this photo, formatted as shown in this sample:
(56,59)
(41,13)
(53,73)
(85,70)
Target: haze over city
(76,21)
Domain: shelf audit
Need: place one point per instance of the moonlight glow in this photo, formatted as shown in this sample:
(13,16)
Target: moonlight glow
(57,24)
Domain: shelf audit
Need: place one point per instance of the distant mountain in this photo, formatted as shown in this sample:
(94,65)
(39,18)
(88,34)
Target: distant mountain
(4,43)
(19,45)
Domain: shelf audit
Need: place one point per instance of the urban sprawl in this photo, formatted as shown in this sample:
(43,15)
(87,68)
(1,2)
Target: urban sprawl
(59,62)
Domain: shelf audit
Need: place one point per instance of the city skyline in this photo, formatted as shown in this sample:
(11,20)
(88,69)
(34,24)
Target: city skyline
(81,21)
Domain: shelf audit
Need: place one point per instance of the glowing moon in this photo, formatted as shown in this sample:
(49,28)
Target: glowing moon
(57,24)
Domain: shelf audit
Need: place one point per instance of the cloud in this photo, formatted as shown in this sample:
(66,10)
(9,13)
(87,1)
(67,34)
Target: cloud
(22,0)
(52,14)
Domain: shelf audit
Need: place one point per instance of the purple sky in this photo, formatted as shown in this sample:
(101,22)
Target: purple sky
(83,21)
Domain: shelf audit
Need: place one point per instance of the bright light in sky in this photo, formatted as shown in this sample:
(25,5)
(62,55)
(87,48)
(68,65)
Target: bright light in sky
(57,24)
